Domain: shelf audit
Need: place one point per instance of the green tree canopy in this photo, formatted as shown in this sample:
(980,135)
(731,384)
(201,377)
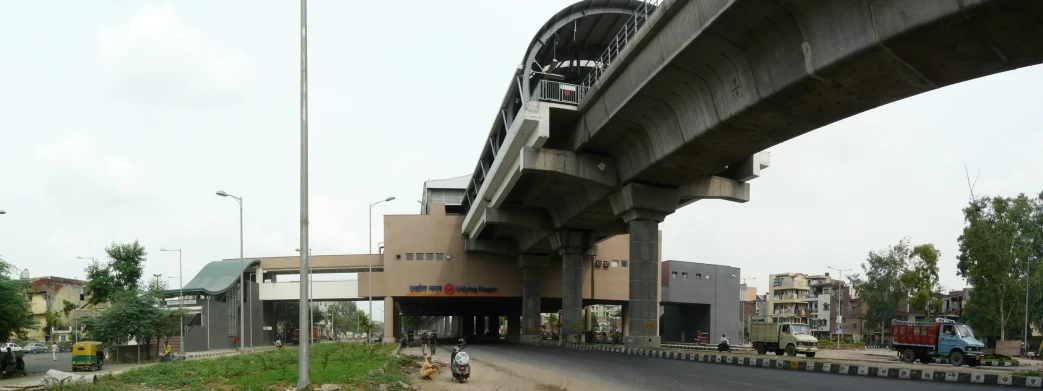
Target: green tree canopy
(920,279)
(17,319)
(879,284)
(122,273)
(135,314)
(1001,237)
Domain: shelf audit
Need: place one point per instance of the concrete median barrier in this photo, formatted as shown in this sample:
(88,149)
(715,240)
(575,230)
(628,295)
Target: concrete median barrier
(796,364)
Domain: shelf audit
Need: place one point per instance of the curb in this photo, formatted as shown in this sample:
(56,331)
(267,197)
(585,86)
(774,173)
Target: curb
(702,348)
(825,367)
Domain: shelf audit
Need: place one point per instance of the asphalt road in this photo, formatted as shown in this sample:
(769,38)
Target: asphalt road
(614,371)
(39,363)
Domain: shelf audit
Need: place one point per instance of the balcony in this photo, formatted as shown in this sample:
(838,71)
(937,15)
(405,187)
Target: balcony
(791,298)
(557,92)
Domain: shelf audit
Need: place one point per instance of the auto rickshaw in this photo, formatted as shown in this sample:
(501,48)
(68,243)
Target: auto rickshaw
(88,355)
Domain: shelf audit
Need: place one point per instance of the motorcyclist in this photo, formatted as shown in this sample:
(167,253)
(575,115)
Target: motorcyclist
(11,362)
(278,342)
(168,353)
(724,345)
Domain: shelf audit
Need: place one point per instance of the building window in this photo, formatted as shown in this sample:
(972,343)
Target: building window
(673,274)
(439,256)
(684,275)
(615,263)
(409,256)
(62,338)
(430,256)
(626,263)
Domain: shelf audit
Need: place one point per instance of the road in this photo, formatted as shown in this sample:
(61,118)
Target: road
(38,364)
(614,371)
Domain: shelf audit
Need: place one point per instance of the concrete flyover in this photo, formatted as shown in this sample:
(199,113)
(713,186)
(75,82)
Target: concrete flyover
(623,111)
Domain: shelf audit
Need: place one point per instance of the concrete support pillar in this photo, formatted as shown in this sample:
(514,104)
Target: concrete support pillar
(571,245)
(642,208)
(494,327)
(587,318)
(455,322)
(532,266)
(626,319)
(467,327)
(392,320)
(514,328)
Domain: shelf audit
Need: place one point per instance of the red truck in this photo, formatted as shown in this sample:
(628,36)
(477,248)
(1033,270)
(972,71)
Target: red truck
(295,337)
(941,338)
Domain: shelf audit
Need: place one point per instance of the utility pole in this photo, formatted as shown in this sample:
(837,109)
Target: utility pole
(840,296)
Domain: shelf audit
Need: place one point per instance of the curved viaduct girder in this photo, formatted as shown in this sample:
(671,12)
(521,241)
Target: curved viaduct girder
(749,75)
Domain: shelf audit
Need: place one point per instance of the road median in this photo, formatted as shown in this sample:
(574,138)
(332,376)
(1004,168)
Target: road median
(821,366)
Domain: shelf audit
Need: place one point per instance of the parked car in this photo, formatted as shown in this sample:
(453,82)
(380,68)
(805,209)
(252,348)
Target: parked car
(14,347)
(35,347)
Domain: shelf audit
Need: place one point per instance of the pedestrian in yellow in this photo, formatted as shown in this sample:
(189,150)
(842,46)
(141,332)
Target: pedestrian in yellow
(428,370)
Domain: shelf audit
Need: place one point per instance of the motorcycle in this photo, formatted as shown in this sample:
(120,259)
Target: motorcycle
(724,346)
(11,370)
(169,358)
(278,344)
(460,363)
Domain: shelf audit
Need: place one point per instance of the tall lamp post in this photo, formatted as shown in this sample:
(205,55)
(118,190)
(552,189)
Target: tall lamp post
(311,294)
(2,212)
(369,249)
(75,320)
(742,301)
(840,307)
(242,282)
(303,379)
(181,297)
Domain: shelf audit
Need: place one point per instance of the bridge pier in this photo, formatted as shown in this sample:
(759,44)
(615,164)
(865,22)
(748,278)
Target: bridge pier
(571,244)
(642,208)
(532,266)
(493,328)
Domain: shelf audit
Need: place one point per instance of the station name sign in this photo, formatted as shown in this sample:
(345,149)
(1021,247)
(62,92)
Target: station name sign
(453,290)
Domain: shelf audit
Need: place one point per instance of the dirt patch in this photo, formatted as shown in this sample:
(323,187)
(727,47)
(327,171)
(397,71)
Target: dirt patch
(485,376)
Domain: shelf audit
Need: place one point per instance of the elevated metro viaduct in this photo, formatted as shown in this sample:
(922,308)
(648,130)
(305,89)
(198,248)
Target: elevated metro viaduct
(621,112)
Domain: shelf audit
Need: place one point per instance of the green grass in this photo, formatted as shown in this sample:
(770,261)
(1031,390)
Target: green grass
(338,363)
(1026,373)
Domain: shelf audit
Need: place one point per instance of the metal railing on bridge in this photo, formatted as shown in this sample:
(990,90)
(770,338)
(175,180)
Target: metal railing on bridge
(553,91)
(625,35)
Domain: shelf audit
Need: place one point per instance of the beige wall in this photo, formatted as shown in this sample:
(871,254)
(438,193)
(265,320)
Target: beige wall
(50,295)
(424,234)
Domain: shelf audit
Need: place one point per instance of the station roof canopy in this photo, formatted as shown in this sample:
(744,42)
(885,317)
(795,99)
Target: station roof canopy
(216,277)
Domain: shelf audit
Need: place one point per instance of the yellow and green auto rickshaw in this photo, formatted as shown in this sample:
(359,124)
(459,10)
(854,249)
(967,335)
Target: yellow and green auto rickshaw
(88,355)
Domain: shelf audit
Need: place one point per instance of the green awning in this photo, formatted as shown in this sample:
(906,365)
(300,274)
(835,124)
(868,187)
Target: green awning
(216,277)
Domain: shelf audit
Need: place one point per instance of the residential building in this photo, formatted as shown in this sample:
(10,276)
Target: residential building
(786,297)
(49,295)
(820,301)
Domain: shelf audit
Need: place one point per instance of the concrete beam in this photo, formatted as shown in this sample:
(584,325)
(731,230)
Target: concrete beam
(523,218)
(591,169)
(645,202)
(714,188)
(749,168)
(569,241)
(498,247)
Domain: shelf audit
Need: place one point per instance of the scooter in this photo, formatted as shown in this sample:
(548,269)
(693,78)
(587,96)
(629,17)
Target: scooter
(278,344)
(11,370)
(460,362)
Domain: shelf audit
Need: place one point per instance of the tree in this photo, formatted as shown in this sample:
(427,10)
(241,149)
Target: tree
(17,319)
(412,322)
(920,279)
(67,307)
(135,314)
(1002,235)
(121,273)
(880,287)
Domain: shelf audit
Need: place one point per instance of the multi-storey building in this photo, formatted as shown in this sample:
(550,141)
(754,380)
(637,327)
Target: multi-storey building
(786,297)
(820,301)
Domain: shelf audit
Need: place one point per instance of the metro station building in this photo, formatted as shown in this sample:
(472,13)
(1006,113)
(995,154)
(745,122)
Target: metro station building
(426,269)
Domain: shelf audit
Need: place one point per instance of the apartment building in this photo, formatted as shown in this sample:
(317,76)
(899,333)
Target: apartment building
(786,298)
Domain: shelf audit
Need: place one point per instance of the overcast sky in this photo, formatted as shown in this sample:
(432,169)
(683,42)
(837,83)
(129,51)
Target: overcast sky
(122,118)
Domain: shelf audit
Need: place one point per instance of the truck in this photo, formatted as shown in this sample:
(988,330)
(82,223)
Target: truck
(295,337)
(926,341)
(788,338)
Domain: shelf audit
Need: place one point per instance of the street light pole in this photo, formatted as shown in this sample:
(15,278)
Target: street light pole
(75,320)
(181,297)
(369,249)
(840,307)
(303,379)
(742,301)
(1025,338)
(311,294)
(242,281)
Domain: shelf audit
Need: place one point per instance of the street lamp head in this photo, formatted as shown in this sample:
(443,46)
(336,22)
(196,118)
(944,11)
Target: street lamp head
(222,193)
(2,212)
(390,199)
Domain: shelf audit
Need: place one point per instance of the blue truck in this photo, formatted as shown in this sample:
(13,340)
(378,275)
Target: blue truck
(926,341)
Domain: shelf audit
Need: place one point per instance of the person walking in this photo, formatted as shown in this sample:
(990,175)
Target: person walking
(433,341)
(54,351)
(423,342)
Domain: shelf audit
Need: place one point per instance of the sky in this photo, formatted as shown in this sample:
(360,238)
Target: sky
(123,118)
